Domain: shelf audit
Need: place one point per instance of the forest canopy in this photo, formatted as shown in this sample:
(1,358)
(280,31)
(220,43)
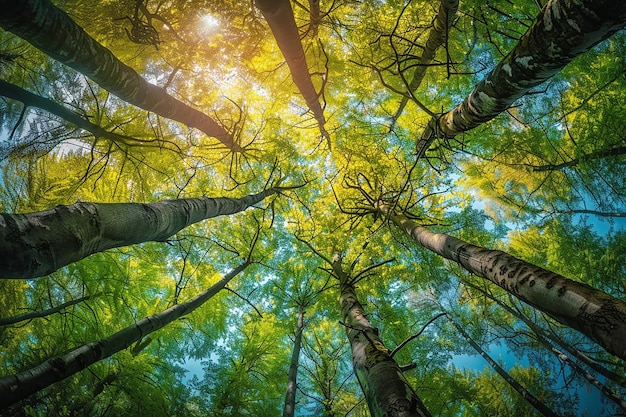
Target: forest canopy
(320,208)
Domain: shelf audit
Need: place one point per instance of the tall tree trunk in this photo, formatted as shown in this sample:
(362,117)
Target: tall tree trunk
(532,400)
(563,30)
(279,17)
(594,313)
(53,32)
(19,386)
(292,383)
(38,314)
(32,100)
(386,390)
(436,37)
(36,244)
(315,17)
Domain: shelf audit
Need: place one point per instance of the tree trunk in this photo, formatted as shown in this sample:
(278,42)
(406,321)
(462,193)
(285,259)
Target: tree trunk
(596,314)
(292,384)
(436,37)
(279,17)
(19,386)
(562,30)
(32,100)
(53,32)
(37,314)
(36,244)
(532,400)
(386,390)
(315,17)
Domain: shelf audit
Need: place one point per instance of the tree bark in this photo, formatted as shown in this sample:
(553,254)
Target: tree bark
(563,30)
(292,383)
(19,386)
(53,32)
(36,244)
(532,400)
(279,17)
(436,37)
(386,390)
(596,314)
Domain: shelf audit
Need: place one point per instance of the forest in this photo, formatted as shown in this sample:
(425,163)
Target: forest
(335,208)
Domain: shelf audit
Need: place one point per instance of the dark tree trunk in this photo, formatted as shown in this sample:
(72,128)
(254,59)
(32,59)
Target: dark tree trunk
(53,32)
(437,37)
(292,380)
(38,314)
(279,16)
(32,100)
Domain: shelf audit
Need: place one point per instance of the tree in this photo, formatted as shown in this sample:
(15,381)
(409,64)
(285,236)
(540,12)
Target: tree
(279,16)
(534,401)
(16,387)
(596,314)
(39,23)
(386,391)
(436,38)
(40,243)
(562,30)
(233,357)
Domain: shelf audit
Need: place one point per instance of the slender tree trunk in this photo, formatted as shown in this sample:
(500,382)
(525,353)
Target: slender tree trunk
(292,383)
(563,30)
(36,244)
(532,400)
(618,150)
(37,314)
(19,386)
(594,313)
(32,100)
(437,36)
(386,390)
(279,16)
(53,32)
(315,17)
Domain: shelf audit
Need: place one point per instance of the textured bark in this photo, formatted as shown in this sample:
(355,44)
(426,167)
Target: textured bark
(53,32)
(563,30)
(36,244)
(16,387)
(386,390)
(594,313)
(32,100)
(436,37)
(38,314)
(292,380)
(279,17)
(532,400)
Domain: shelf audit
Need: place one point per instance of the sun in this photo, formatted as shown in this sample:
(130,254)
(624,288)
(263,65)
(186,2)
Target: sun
(209,23)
